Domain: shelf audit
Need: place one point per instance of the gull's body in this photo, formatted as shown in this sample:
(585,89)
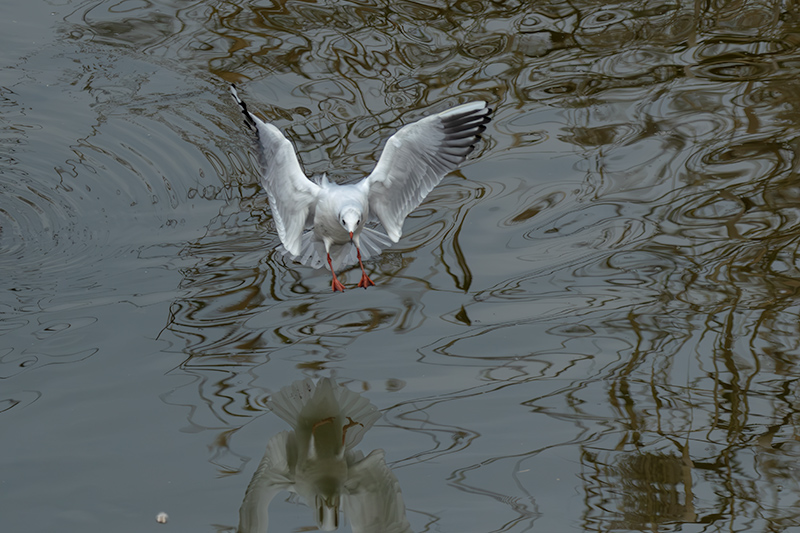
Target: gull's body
(316,222)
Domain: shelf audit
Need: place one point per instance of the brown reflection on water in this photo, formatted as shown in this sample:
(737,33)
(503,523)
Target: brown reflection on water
(648,489)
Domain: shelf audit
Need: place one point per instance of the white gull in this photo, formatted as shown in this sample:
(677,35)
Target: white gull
(315,220)
(317,460)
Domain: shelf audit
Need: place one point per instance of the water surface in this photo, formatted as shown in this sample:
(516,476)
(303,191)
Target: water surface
(592,326)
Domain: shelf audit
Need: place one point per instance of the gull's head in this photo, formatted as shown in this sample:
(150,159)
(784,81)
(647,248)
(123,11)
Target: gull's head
(350,219)
(327,505)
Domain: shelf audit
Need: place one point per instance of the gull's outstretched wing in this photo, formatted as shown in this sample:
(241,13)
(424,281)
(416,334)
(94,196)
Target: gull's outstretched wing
(372,500)
(417,157)
(292,195)
(272,476)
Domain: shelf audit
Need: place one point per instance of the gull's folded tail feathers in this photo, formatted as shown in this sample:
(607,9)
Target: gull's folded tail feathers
(312,252)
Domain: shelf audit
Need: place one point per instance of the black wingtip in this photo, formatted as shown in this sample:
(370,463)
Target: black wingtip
(248,118)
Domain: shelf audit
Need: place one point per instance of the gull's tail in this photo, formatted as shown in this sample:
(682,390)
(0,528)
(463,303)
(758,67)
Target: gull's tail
(303,403)
(312,251)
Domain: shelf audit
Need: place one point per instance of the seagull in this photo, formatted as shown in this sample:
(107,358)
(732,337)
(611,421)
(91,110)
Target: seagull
(316,460)
(321,219)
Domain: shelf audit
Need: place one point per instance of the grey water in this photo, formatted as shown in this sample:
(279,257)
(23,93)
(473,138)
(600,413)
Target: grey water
(593,325)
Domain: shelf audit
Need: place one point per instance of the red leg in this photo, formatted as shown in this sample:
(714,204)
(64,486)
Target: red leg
(335,284)
(365,281)
(322,422)
(350,423)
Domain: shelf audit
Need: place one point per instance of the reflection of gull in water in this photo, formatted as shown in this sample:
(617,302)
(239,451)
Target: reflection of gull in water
(316,460)
(413,162)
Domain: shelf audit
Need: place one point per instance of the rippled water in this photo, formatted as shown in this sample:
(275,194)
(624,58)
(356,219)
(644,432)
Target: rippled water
(592,326)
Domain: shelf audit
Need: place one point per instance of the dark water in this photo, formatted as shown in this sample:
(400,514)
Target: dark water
(593,326)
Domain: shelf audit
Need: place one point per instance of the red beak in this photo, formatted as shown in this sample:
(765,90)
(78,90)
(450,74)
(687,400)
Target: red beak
(351,235)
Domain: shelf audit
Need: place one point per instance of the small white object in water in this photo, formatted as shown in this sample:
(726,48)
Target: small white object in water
(162,518)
